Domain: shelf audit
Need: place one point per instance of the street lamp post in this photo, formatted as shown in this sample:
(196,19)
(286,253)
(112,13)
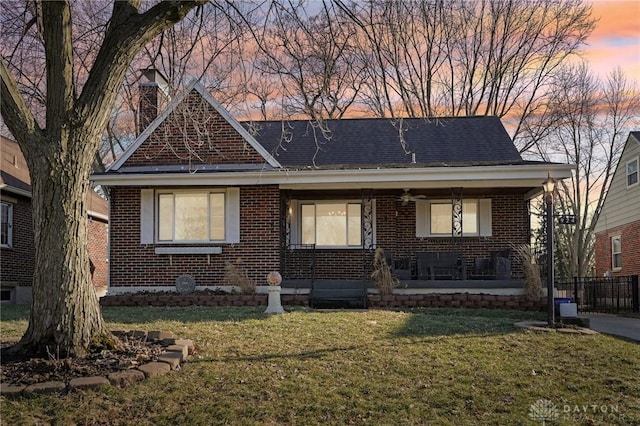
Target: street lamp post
(548,185)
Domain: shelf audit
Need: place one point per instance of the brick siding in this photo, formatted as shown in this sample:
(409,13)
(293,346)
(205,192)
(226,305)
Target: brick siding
(213,142)
(630,241)
(17,261)
(133,264)
(98,232)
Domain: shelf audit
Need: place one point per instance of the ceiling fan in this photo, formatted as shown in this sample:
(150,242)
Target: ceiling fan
(406,197)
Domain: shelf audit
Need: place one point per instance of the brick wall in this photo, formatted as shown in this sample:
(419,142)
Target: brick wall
(396,234)
(133,264)
(630,240)
(17,261)
(212,141)
(98,231)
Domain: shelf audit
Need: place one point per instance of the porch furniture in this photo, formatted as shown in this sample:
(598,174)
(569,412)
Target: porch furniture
(339,294)
(400,268)
(440,266)
(498,266)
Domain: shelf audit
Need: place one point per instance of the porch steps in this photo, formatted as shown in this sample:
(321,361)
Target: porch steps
(339,294)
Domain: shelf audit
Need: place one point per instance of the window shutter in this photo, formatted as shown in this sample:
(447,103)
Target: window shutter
(422,210)
(232,216)
(146,216)
(485,217)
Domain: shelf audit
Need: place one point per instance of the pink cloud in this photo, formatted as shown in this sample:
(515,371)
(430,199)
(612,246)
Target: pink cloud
(616,39)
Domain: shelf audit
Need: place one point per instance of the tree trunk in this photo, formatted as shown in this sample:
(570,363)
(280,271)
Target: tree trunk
(65,318)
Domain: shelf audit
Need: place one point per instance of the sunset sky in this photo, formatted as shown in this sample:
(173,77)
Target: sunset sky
(616,39)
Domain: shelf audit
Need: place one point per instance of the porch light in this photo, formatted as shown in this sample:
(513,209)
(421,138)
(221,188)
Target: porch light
(549,185)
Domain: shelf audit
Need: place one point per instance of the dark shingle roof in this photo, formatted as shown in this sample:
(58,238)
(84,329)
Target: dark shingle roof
(379,142)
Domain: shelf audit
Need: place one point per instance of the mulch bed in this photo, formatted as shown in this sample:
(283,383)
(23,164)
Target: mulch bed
(136,350)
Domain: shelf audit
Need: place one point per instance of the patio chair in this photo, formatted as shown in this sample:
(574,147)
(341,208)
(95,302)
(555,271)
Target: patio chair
(440,265)
(400,268)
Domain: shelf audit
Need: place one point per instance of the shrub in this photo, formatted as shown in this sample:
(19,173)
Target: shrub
(237,276)
(385,282)
(531,270)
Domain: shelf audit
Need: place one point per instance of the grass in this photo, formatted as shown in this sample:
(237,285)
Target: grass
(426,366)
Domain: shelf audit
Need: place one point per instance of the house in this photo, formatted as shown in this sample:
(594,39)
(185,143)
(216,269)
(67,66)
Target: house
(617,250)
(313,200)
(16,229)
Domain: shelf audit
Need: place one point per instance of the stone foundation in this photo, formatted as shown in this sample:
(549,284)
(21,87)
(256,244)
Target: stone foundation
(457,300)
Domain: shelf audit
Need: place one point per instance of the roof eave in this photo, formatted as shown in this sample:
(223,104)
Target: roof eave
(432,177)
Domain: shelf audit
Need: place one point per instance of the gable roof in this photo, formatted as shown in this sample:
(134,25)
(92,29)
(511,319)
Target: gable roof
(200,89)
(339,154)
(15,179)
(621,202)
(373,142)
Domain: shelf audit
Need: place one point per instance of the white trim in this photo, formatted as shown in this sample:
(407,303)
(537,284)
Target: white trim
(483,218)
(97,215)
(297,220)
(231,215)
(637,172)
(188,250)
(9,243)
(147,216)
(613,266)
(530,176)
(12,189)
(195,85)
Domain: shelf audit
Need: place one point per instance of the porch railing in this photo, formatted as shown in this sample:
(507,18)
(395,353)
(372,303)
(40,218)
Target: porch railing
(299,262)
(601,294)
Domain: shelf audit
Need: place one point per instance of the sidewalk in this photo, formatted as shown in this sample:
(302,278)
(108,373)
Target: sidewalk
(614,325)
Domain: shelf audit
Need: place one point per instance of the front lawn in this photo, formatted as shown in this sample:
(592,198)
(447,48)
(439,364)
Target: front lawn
(426,366)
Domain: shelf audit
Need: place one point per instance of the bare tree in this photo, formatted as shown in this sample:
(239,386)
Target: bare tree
(585,123)
(59,142)
(465,57)
(310,54)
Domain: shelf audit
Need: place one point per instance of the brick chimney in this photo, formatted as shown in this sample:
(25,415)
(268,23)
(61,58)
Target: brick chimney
(153,96)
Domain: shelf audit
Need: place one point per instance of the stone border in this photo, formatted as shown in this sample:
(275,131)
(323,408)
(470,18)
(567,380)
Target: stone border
(176,351)
(542,326)
(439,300)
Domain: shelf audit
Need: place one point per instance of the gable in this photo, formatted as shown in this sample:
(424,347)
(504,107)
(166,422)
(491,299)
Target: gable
(194,130)
(622,203)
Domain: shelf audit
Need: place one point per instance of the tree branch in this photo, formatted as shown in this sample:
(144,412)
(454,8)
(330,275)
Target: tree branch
(15,112)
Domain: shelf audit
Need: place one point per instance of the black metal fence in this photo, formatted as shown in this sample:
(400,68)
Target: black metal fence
(601,294)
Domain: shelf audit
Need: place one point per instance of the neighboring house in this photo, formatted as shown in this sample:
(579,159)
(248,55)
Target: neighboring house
(198,189)
(16,229)
(617,250)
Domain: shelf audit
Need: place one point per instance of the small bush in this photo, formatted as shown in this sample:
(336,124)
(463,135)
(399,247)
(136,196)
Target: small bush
(237,276)
(385,282)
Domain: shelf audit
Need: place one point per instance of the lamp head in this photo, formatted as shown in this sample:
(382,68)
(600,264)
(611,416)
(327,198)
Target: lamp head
(549,185)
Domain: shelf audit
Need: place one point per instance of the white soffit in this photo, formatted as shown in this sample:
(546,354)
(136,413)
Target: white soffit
(432,177)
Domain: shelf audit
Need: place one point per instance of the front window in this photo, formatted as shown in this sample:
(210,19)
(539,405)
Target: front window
(331,224)
(632,172)
(6,224)
(191,216)
(616,252)
(441,218)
